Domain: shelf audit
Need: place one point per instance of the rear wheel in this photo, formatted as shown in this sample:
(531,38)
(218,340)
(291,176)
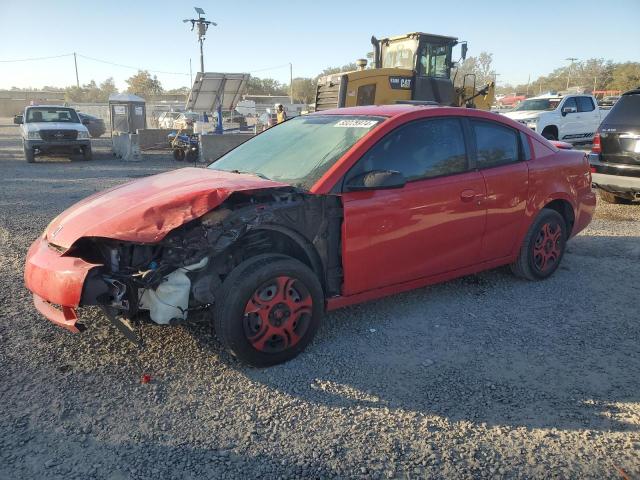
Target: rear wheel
(178,154)
(269,310)
(543,247)
(611,198)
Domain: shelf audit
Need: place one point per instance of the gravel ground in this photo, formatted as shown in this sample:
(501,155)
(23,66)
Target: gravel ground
(483,377)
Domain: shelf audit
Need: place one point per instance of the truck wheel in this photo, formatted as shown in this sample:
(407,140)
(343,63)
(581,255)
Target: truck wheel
(549,135)
(543,247)
(268,310)
(29,154)
(87,153)
(611,198)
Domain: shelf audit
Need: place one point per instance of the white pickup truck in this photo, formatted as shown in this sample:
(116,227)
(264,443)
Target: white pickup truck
(569,118)
(47,129)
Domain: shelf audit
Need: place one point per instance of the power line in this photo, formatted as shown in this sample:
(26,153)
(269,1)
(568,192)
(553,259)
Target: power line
(129,66)
(270,68)
(35,58)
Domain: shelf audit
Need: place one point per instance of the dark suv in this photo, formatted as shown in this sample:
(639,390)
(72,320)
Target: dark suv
(615,154)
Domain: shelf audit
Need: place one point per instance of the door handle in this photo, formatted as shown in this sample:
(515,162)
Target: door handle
(467,195)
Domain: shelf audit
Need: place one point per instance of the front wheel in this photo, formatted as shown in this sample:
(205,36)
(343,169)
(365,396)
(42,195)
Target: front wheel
(543,247)
(268,310)
(29,154)
(87,153)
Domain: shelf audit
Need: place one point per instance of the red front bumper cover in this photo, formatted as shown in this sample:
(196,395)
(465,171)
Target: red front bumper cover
(56,282)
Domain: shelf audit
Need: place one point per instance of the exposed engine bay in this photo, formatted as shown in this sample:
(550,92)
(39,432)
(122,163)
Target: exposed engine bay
(183,272)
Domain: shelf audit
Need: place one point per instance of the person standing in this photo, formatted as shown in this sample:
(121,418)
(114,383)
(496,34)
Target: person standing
(281,115)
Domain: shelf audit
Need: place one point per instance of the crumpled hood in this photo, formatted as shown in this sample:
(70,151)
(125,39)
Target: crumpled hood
(524,114)
(145,210)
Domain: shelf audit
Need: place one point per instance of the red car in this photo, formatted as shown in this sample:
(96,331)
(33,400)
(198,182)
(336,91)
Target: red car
(323,211)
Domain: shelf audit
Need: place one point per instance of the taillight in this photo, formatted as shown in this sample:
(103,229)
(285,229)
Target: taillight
(596,146)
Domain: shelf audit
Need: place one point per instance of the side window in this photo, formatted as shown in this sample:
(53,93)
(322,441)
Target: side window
(496,144)
(420,149)
(570,102)
(526,148)
(585,104)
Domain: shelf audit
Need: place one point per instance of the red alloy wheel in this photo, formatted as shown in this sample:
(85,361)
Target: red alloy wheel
(547,247)
(278,314)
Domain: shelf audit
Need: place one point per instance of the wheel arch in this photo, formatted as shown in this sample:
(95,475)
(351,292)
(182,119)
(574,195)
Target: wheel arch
(565,208)
(268,238)
(553,129)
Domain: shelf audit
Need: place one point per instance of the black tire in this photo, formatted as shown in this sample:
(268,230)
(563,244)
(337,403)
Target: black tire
(542,250)
(549,135)
(611,198)
(87,153)
(192,156)
(248,336)
(29,155)
(178,154)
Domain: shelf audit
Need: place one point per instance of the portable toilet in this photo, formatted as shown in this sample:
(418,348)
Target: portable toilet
(127,112)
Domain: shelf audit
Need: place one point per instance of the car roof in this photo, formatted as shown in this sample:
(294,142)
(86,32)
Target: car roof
(49,106)
(375,110)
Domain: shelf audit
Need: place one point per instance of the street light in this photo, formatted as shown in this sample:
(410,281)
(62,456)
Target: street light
(203,25)
(570,59)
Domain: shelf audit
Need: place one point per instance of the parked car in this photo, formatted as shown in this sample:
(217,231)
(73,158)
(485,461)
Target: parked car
(166,119)
(615,152)
(52,129)
(186,120)
(608,101)
(95,125)
(322,211)
(570,118)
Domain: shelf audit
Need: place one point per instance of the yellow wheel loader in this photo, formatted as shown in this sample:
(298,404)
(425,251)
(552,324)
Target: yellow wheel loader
(412,68)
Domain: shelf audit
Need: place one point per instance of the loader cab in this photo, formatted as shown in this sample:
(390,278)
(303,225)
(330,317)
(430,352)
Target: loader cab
(427,56)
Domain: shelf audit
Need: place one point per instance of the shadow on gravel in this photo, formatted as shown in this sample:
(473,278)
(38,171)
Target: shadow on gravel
(562,353)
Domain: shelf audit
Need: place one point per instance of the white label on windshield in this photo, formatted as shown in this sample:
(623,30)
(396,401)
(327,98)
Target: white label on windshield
(356,123)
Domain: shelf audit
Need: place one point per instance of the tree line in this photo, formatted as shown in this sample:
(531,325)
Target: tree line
(590,74)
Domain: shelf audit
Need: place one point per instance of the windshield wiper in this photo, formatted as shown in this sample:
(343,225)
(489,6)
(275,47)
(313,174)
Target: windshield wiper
(264,177)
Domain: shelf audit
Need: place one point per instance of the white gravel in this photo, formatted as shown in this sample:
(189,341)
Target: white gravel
(483,377)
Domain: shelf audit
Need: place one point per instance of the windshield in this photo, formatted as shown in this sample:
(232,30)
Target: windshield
(298,151)
(625,111)
(52,114)
(399,54)
(538,104)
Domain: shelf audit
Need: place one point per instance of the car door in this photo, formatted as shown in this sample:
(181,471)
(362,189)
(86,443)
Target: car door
(570,123)
(500,155)
(434,224)
(589,117)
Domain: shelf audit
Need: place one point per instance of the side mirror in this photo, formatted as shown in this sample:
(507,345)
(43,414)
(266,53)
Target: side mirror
(18,119)
(463,50)
(566,110)
(376,180)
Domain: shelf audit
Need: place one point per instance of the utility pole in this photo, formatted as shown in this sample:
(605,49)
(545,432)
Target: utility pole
(75,60)
(290,83)
(528,83)
(570,59)
(190,73)
(203,25)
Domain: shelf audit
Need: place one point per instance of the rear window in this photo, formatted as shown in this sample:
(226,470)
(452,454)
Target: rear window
(625,111)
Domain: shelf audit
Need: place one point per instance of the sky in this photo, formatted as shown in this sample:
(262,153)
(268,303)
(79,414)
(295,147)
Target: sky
(263,37)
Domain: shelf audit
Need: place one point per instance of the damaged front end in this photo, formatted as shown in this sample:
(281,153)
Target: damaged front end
(184,271)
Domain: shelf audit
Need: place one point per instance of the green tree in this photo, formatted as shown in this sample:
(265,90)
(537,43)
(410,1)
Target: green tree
(143,84)
(625,76)
(266,86)
(480,66)
(304,90)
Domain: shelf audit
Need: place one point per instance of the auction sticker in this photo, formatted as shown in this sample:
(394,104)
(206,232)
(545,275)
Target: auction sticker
(354,123)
